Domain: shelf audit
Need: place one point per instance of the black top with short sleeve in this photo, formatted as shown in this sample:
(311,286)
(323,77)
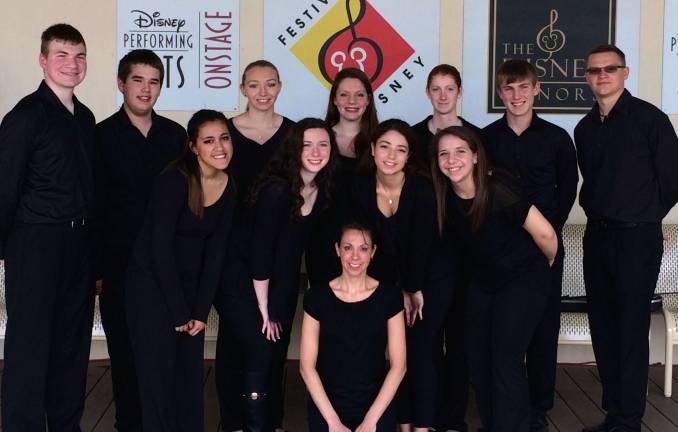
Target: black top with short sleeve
(501,249)
(351,346)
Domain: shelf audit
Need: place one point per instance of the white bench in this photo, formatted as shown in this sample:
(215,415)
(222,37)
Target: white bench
(98,334)
(574,327)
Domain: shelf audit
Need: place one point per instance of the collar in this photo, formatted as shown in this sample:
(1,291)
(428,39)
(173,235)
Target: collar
(622,106)
(536,123)
(124,121)
(45,92)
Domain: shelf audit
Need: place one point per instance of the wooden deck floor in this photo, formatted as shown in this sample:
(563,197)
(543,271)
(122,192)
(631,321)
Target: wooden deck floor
(577,402)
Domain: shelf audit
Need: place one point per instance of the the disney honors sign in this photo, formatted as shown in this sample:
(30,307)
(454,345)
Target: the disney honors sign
(555,36)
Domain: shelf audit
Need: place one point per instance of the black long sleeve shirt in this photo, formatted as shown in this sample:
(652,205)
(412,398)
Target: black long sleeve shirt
(628,162)
(543,160)
(46,158)
(184,254)
(126,164)
(250,157)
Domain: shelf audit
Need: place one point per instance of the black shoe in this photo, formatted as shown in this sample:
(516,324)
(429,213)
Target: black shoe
(538,423)
(602,427)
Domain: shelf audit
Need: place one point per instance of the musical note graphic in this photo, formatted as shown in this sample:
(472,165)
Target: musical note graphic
(550,39)
(346,48)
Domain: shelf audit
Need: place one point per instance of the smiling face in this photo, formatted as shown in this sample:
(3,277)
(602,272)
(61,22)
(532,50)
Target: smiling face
(351,99)
(443,93)
(518,97)
(141,89)
(355,250)
(606,84)
(390,152)
(64,65)
(456,160)
(315,153)
(213,146)
(261,87)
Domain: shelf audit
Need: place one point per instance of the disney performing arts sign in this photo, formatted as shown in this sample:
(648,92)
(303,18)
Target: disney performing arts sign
(554,35)
(198,43)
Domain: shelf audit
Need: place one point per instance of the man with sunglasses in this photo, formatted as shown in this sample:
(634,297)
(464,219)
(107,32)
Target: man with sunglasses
(627,151)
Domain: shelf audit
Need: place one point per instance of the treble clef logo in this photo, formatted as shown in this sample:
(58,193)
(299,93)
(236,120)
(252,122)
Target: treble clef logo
(346,49)
(549,38)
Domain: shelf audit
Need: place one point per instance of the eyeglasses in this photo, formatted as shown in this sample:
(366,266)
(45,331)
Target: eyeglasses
(609,69)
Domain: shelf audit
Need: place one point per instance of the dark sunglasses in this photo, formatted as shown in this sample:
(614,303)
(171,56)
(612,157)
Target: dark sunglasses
(609,69)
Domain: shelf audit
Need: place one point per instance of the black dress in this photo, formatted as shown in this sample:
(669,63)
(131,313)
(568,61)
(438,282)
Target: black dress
(172,277)
(268,243)
(352,341)
(506,297)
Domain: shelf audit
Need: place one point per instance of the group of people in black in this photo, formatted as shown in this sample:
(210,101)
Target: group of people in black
(438,244)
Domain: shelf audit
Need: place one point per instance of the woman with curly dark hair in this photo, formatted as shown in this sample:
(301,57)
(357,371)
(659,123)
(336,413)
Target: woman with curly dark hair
(261,283)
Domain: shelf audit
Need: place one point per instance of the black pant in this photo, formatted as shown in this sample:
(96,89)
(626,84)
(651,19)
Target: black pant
(499,327)
(123,370)
(420,390)
(620,272)
(542,354)
(169,363)
(386,423)
(50,307)
(453,400)
(244,363)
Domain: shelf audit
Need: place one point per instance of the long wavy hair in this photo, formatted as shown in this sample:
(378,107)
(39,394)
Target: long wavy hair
(482,177)
(188,164)
(368,121)
(285,165)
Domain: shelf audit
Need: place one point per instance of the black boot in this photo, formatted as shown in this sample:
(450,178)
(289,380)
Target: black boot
(257,410)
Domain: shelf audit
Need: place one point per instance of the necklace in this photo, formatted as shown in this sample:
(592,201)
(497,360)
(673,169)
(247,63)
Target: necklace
(389,197)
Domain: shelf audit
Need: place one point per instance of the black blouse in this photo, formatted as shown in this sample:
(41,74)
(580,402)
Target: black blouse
(184,254)
(407,236)
(352,341)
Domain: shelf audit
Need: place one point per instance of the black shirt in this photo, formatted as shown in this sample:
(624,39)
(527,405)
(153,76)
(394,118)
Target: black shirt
(628,162)
(126,164)
(425,139)
(543,160)
(268,244)
(407,236)
(352,341)
(46,158)
(183,254)
(250,157)
(501,250)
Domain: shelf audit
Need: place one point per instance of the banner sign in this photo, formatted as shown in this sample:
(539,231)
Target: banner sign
(670,68)
(198,42)
(555,36)
(310,41)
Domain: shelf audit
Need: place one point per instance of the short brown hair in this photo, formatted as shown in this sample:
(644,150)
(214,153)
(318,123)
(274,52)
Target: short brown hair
(515,70)
(607,48)
(61,32)
(444,69)
(139,56)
